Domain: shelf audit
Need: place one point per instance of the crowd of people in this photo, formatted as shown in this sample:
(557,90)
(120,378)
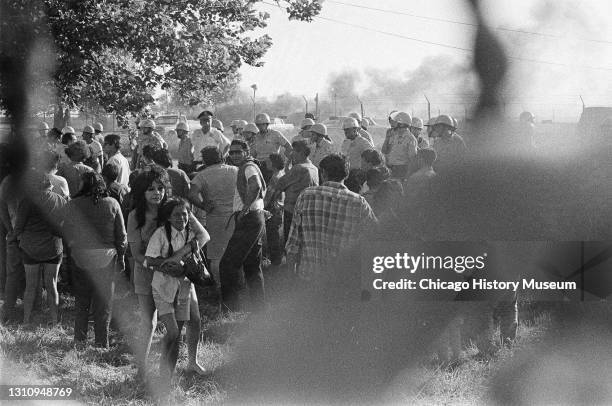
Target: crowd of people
(86,215)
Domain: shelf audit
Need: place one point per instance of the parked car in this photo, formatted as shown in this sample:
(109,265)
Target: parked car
(167,122)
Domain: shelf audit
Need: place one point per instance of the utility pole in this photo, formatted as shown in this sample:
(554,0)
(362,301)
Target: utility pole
(583,105)
(254,87)
(428,107)
(305,102)
(362,110)
(334,95)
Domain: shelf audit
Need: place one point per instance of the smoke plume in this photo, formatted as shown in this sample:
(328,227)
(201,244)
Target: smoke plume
(450,86)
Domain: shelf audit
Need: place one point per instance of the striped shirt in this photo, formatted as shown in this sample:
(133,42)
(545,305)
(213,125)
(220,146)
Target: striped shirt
(326,220)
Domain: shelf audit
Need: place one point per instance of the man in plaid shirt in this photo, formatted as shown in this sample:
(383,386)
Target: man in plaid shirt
(326,220)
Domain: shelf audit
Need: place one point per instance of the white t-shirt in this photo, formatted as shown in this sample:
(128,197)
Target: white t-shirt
(124,168)
(60,186)
(258,204)
(165,285)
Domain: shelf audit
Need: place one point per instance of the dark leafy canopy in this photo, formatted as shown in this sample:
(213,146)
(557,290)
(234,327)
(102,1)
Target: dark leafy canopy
(117,51)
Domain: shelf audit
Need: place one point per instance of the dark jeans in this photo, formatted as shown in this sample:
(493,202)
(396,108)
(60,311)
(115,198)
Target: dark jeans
(15,277)
(288,218)
(273,235)
(244,251)
(65,272)
(93,288)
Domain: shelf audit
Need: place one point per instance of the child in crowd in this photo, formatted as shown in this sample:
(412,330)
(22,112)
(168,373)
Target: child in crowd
(175,297)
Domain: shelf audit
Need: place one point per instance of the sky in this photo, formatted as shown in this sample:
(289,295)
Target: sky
(305,58)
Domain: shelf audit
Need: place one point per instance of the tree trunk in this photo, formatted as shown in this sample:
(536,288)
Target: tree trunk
(67,116)
(58,116)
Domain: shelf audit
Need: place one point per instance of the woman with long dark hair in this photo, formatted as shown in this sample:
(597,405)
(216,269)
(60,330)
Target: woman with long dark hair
(96,236)
(148,194)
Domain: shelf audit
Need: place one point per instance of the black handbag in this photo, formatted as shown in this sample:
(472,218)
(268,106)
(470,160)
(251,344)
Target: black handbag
(194,265)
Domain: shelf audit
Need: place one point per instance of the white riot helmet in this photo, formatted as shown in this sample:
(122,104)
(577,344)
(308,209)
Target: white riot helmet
(356,116)
(320,129)
(148,123)
(417,123)
(445,120)
(98,127)
(67,130)
(403,118)
(262,118)
(306,122)
(250,128)
(350,123)
(182,126)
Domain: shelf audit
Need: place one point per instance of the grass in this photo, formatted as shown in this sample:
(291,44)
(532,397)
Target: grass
(107,376)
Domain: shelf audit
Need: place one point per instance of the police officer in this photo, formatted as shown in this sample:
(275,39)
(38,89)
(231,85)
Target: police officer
(269,141)
(304,134)
(363,132)
(148,137)
(248,134)
(98,131)
(354,144)
(321,145)
(185,149)
(206,136)
(448,144)
(416,128)
(94,146)
(400,146)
